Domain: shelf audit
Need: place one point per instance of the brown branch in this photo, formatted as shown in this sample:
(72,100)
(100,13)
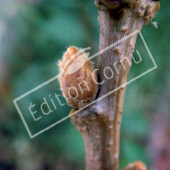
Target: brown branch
(100,124)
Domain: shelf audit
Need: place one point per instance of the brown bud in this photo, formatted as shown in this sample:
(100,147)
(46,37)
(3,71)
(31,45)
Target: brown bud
(117,50)
(136,166)
(77,79)
(124,29)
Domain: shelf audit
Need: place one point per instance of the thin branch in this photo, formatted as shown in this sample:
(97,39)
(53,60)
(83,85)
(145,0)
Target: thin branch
(100,124)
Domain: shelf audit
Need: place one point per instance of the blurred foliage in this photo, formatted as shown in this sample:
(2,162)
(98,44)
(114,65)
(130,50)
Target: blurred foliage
(35,35)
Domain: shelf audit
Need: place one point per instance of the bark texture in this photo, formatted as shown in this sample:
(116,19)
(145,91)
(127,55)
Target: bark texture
(100,124)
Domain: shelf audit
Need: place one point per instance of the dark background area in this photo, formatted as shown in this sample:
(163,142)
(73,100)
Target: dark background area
(33,37)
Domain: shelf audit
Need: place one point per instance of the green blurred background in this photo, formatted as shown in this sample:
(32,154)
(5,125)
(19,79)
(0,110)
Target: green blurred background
(33,36)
